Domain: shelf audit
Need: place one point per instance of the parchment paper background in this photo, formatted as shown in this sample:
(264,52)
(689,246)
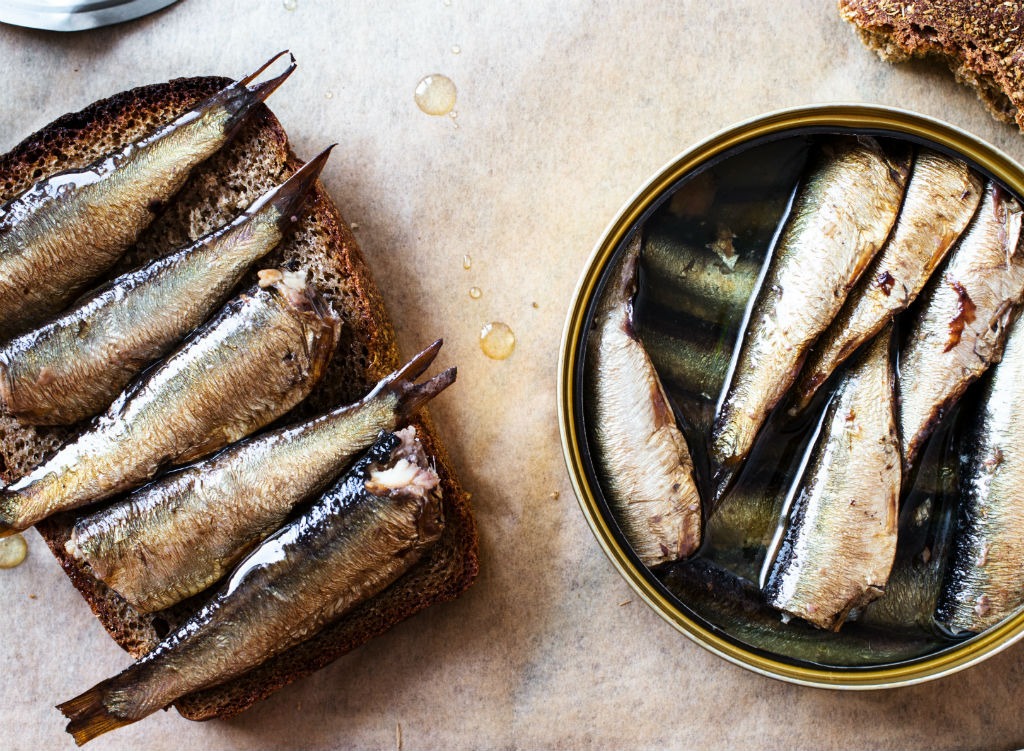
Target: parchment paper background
(564,109)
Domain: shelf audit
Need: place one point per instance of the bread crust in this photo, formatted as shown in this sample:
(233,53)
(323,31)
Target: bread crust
(980,40)
(258,158)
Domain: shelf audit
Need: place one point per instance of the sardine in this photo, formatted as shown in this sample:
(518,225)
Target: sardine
(839,545)
(984,584)
(259,357)
(742,527)
(368,530)
(942,196)
(922,553)
(734,607)
(741,531)
(694,280)
(180,534)
(692,361)
(960,328)
(642,455)
(65,231)
(840,218)
(74,367)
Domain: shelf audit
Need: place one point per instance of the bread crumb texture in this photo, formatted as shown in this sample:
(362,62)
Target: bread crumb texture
(257,159)
(980,40)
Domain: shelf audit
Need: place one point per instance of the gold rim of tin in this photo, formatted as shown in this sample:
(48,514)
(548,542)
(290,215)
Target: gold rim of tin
(856,117)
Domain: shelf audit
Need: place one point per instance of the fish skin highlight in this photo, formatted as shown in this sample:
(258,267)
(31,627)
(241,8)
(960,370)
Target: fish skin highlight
(834,229)
(73,367)
(840,543)
(180,534)
(983,584)
(255,360)
(363,534)
(66,230)
(690,360)
(695,280)
(961,326)
(942,196)
(643,457)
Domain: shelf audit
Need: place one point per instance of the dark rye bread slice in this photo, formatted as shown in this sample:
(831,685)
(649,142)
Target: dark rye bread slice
(980,40)
(258,158)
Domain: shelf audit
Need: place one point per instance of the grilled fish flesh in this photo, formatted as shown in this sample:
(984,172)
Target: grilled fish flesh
(370,528)
(841,216)
(839,545)
(65,231)
(74,367)
(180,534)
(961,327)
(642,455)
(942,196)
(259,357)
(984,584)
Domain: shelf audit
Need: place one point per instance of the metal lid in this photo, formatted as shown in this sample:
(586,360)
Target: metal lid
(65,15)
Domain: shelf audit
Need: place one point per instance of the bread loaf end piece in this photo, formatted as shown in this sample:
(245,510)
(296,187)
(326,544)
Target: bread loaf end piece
(980,40)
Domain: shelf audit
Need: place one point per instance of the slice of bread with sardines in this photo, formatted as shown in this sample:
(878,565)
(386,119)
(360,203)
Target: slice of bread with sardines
(252,162)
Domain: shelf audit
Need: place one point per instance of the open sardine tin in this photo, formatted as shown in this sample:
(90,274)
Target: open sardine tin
(764,157)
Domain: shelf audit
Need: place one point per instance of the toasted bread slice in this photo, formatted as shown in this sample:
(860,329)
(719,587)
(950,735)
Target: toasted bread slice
(258,158)
(980,41)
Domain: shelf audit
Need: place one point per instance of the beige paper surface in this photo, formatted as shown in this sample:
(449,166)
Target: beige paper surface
(564,109)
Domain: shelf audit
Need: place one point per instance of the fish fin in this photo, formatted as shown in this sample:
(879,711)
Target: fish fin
(263,89)
(246,80)
(89,715)
(412,396)
(418,364)
(287,199)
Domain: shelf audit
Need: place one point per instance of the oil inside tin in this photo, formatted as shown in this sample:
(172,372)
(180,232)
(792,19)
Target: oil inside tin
(733,208)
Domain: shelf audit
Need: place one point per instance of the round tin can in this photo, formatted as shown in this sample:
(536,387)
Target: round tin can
(868,673)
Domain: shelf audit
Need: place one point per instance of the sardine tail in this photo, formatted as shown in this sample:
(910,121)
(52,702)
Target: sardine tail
(418,364)
(263,89)
(246,80)
(89,715)
(291,194)
(415,395)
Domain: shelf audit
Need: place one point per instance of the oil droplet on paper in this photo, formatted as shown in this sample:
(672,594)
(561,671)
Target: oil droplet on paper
(467,262)
(475,292)
(435,94)
(291,4)
(328,95)
(456,49)
(497,340)
(13,550)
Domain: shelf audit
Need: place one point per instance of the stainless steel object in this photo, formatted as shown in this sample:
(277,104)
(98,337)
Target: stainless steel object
(64,15)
